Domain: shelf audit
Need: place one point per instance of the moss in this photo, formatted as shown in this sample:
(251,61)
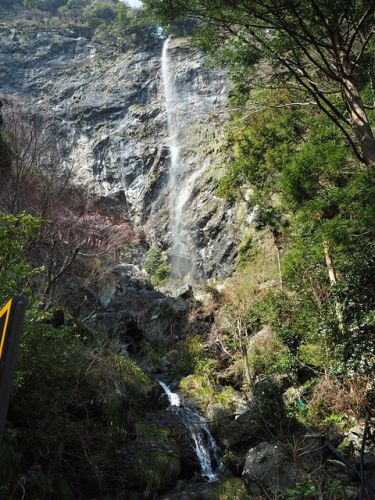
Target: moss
(231,489)
(157,267)
(247,250)
(156,471)
(344,448)
(198,387)
(227,397)
(151,434)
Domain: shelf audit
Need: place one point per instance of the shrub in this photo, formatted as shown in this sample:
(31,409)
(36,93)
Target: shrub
(151,434)
(74,403)
(156,470)
(156,266)
(100,14)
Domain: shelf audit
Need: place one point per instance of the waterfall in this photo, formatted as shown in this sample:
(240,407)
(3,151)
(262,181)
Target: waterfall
(174,399)
(180,257)
(206,448)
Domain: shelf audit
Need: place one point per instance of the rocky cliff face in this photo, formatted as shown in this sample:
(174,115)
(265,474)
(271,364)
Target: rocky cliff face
(106,107)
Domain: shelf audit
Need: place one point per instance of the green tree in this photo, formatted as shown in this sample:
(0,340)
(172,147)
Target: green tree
(100,14)
(322,47)
(17,234)
(48,5)
(156,266)
(122,19)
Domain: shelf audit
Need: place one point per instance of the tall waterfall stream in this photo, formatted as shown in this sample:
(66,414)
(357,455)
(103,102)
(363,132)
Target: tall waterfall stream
(206,448)
(180,191)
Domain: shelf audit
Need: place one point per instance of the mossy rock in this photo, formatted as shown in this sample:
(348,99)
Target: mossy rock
(231,489)
(147,471)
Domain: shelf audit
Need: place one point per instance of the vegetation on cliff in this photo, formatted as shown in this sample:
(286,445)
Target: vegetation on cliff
(76,400)
(111,20)
(292,330)
(302,153)
(299,311)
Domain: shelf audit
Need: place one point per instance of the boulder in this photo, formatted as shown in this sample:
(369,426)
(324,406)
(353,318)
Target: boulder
(268,469)
(183,292)
(127,307)
(355,436)
(246,430)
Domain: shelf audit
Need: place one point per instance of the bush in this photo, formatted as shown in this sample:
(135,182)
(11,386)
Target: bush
(156,471)
(75,402)
(231,489)
(100,14)
(156,266)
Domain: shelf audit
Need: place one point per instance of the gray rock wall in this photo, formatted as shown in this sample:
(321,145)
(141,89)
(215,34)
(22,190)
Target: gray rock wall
(106,107)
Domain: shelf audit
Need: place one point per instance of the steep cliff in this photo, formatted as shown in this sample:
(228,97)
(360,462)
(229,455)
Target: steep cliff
(106,108)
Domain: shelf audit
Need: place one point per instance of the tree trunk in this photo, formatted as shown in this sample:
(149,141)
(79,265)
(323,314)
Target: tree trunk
(245,357)
(279,265)
(333,280)
(360,122)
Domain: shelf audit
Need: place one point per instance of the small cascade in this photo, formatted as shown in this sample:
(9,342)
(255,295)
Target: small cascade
(173,397)
(206,448)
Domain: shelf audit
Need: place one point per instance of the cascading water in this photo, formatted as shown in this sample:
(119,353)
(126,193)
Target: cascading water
(174,399)
(206,448)
(182,264)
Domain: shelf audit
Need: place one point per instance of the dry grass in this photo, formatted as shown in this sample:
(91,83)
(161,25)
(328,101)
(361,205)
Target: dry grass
(349,398)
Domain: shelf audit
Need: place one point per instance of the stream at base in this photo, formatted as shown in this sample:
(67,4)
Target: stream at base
(206,448)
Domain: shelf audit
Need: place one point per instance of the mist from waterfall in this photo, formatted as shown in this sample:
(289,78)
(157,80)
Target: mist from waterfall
(180,257)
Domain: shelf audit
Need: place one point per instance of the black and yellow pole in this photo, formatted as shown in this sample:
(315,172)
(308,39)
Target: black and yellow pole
(11,319)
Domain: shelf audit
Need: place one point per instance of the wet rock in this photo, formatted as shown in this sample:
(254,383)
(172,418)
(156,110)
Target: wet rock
(158,399)
(170,420)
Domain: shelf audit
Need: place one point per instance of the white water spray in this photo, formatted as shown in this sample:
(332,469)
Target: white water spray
(180,193)
(174,399)
(205,446)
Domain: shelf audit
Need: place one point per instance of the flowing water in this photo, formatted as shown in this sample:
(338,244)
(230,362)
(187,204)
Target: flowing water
(206,448)
(174,398)
(180,188)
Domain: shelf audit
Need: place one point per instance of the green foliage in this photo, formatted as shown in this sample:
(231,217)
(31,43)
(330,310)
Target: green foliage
(344,447)
(48,5)
(156,266)
(156,470)
(74,8)
(268,399)
(304,490)
(231,489)
(151,434)
(100,14)
(152,261)
(297,36)
(74,404)
(122,19)
(17,233)
(269,355)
